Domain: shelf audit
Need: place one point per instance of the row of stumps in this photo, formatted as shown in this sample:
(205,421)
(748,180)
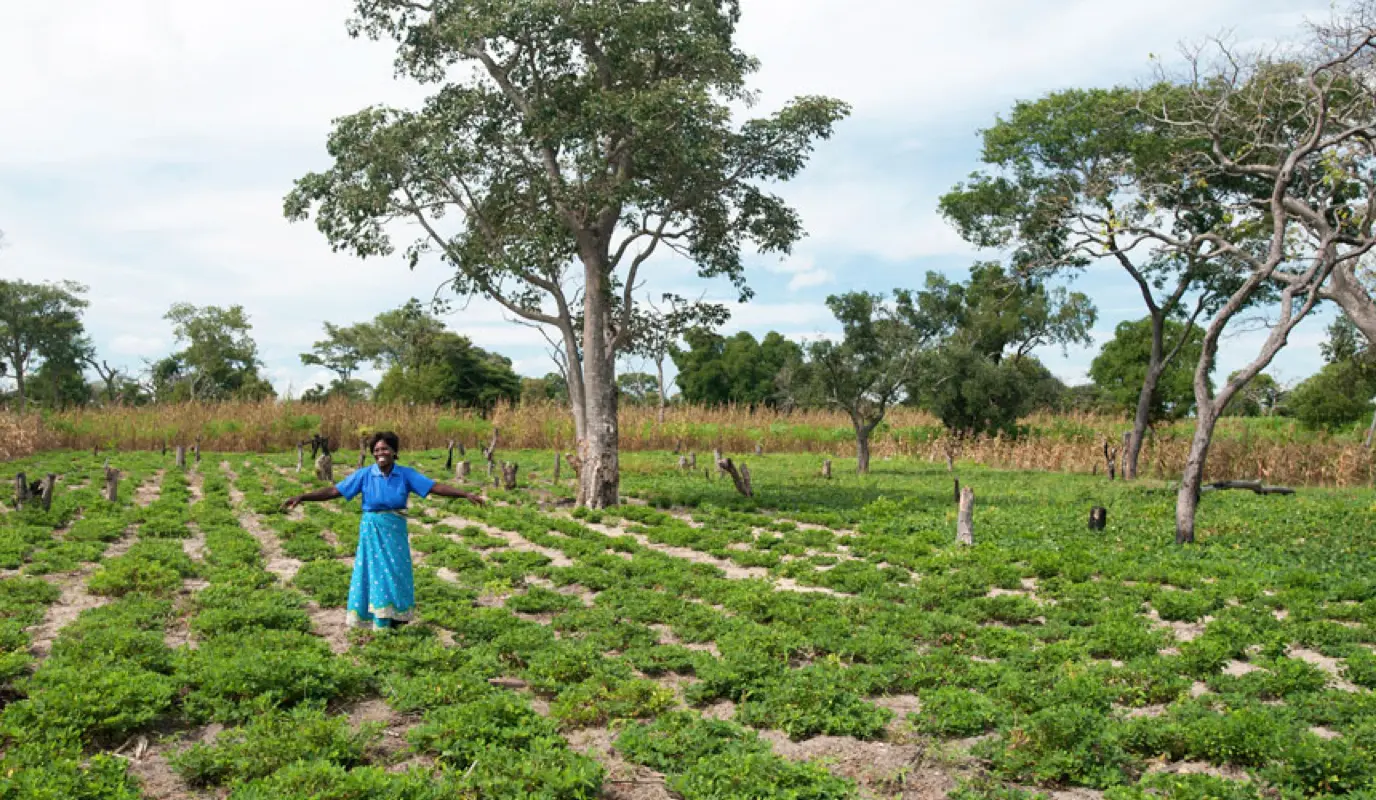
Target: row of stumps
(28,492)
(965,516)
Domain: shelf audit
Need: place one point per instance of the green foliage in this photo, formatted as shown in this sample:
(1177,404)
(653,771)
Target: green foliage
(1339,395)
(956,713)
(715,370)
(272,741)
(1120,369)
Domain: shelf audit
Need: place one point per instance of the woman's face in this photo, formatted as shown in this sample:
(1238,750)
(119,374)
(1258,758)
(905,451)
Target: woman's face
(384,455)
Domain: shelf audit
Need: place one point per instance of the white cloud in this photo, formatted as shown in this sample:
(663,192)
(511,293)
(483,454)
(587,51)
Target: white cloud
(813,277)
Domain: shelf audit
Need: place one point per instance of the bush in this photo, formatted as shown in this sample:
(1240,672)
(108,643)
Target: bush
(272,741)
(955,712)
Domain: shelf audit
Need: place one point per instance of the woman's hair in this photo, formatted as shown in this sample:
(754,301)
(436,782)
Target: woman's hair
(385,436)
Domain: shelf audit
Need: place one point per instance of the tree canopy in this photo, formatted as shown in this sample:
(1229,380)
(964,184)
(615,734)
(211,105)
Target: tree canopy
(40,322)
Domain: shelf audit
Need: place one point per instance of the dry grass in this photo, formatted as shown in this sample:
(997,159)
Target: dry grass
(1273,450)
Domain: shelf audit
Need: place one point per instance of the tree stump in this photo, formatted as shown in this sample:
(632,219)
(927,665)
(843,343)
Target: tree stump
(826,468)
(759,449)
(449,459)
(965,521)
(300,457)
(490,451)
(509,476)
(196,452)
(461,470)
(682,463)
(111,484)
(1127,447)
(324,467)
(1110,460)
(740,477)
(45,494)
(1098,518)
(21,490)
(558,463)
(692,461)
(678,447)
(717,459)
(362,458)
(181,456)
(955,494)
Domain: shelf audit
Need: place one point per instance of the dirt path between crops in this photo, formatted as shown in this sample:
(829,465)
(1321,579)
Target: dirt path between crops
(74,598)
(278,563)
(150,490)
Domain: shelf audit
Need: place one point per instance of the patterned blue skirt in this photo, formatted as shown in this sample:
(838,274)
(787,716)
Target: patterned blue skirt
(383,588)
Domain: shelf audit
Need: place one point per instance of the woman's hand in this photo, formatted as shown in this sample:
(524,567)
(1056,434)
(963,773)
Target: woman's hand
(475,499)
(291,502)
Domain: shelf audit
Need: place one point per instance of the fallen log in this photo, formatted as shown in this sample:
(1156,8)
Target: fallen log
(1256,487)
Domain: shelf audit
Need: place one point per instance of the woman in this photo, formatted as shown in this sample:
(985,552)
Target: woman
(382,591)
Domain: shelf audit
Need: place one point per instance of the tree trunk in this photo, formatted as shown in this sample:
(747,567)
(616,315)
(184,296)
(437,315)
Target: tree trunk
(19,388)
(659,365)
(462,469)
(1344,289)
(111,484)
(862,449)
(1187,498)
(1143,416)
(46,493)
(965,521)
(181,456)
(21,490)
(600,479)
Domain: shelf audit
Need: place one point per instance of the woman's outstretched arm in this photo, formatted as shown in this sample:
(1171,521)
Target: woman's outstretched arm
(328,493)
(445,490)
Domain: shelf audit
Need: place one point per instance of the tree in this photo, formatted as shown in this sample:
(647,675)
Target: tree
(37,322)
(1261,397)
(638,388)
(715,370)
(974,395)
(1064,173)
(567,144)
(449,369)
(219,360)
(550,389)
(1119,371)
(865,373)
(657,331)
(1337,396)
(1284,147)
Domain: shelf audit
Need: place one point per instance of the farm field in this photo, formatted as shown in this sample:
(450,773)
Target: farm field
(827,639)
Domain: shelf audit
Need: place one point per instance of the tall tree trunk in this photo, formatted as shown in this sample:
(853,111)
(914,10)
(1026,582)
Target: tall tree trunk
(862,448)
(1141,419)
(659,365)
(600,476)
(1187,499)
(19,387)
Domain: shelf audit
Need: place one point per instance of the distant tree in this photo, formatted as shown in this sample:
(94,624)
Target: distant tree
(219,360)
(715,370)
(552,388)
(659,327)
(638,388)
(865,373)
(1341,393)
(1119,371)
(974,395)
(1262,397)
(449,369)
(339,352)
(37,322)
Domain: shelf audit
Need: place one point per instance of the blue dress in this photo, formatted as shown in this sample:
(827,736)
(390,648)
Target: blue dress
(383,587)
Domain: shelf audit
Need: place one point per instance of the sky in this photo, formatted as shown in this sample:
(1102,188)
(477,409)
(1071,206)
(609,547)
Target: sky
(146,146)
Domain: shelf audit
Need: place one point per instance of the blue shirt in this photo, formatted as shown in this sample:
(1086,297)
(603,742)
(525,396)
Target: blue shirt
(384,492)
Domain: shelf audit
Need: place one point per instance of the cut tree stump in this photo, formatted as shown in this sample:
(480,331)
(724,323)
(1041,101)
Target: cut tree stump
(300,457)
(509,476)
(1111,460)
(181,456)
(965,521)
(1098,518)
(449,459)
(45,494)
(682,463)
(955,494)
(1127,446)
(826,468)
(490,451)
(111,484)
(558,462)
(692,461)
(21,490)
(461,470)
(324,467)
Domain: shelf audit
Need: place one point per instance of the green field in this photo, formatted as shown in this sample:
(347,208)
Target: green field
(827,639)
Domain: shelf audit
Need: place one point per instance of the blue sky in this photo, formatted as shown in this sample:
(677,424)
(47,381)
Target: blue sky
(148,145)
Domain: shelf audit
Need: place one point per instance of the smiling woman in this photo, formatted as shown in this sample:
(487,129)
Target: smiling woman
(382,591)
